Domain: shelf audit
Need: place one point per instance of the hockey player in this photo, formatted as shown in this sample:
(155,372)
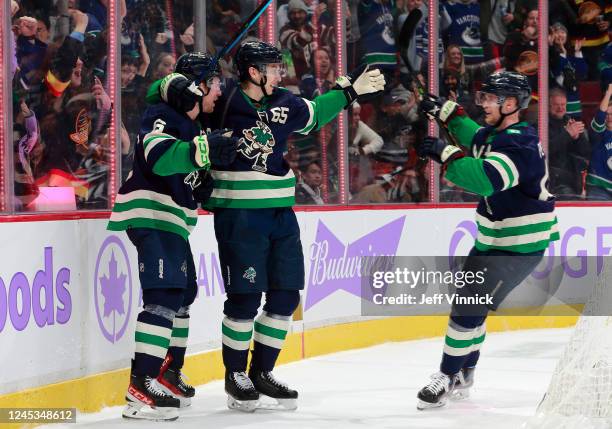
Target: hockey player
(515,215)
(157,209)
(257,232)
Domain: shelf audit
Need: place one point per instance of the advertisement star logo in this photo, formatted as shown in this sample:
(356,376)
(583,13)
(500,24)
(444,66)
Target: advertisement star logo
(337,266)
(113,289)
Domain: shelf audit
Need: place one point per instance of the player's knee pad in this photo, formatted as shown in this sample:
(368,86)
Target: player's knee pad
(282,302)
(242,306)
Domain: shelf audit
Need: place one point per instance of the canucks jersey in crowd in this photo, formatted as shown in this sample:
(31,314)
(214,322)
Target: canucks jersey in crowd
(516,212)
(260,177)
(158,193)
(377,37)
(460,25)
(599,178)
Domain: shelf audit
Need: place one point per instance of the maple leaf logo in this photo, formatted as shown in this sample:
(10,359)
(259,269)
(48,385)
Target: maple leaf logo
(113,288)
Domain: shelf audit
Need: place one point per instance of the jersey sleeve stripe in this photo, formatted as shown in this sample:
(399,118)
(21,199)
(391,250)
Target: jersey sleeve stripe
(311,119)
(501,170)
(508,164)
(153,139)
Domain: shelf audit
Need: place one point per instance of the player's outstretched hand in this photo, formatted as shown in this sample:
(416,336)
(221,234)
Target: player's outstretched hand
(361,82)
(438,150)
(223,147)
(436,108)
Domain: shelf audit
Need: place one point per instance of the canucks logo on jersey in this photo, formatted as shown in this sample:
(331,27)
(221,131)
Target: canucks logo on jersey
(257,144)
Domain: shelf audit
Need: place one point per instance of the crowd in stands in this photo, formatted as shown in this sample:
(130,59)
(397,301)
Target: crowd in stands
(62,110)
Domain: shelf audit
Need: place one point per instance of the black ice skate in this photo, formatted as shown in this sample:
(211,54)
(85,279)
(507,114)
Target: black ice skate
(241,394)
(267,385)
(436,392)
(146,400)
(171,381)
(464,379)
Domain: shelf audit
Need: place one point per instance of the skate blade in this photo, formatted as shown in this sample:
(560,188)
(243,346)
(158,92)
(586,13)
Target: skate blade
(275,404)
(184,401)
(244,406)
(459,394)
(422,405)
(146,412)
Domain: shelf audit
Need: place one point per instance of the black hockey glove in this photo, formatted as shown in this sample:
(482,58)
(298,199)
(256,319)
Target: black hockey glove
(437,109)
(203,190)
(438,150)
(179,92)
(362,83)
(222,147)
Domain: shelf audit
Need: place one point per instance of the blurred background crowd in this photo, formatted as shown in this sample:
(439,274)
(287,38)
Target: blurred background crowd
(62,110)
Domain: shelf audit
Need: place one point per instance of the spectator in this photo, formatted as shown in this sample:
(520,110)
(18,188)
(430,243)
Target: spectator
(298,37)
(460,25)
(308,190)
(322,78)
(521,48)
(521,10)
(605,66)
(567,67)
(568,149)
(495,19)
(592,25)
(599,178)
(363,143)
(163,65)
(377,34)
(26,127)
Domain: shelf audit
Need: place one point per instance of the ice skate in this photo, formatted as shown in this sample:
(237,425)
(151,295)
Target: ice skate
(283,397)
(436,393)
(146,400)
(464,380)
(241,394)
(171,381)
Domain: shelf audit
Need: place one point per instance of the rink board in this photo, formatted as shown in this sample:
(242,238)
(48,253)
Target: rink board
(69,295)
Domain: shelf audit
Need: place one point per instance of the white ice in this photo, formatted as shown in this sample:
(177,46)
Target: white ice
(376,388)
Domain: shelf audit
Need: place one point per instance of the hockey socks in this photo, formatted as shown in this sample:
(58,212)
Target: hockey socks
(236,338)
(461,347)
(153,333)
(178,342)
(270,333)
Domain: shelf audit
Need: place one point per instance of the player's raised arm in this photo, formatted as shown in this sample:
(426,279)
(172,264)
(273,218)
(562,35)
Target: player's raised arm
(324,108)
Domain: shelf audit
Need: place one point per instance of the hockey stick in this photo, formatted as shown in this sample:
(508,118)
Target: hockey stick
(250,21)
(403,41)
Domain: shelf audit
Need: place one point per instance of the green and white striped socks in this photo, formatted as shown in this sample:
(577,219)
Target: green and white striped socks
(236,339)
(461,347)
(270,333)
(178,342)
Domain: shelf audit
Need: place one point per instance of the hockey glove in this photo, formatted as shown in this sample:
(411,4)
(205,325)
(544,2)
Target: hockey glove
(203,190)
(222,147)
(438,150)
(179,92)
(361,82)
(437,109)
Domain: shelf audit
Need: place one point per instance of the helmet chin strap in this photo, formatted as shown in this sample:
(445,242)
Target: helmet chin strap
(262,83)
(502,115)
